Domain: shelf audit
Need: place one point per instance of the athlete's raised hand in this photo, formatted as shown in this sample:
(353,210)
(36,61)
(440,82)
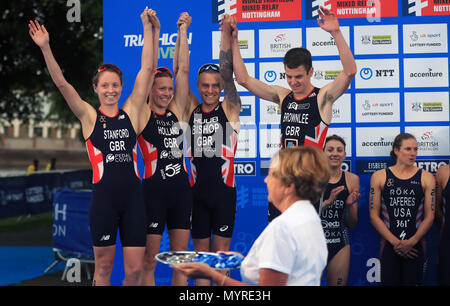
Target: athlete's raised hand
(184,20)
(38,33)
(145,17)
(234,29)
(154,19)
(327,20)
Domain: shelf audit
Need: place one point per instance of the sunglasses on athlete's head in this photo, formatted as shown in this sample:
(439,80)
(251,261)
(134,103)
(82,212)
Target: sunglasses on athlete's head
(108,66)
(208,67)
(160,70)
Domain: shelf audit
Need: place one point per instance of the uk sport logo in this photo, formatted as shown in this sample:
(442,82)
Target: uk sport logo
(221,7)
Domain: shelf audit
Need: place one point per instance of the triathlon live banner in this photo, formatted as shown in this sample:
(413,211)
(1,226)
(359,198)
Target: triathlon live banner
(401,50)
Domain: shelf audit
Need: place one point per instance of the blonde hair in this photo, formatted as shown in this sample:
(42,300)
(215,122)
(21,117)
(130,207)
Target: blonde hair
(305,167)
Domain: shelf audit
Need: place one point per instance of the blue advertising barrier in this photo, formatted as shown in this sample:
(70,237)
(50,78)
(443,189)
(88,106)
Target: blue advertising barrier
(71,235)
(71,222)
(33,194)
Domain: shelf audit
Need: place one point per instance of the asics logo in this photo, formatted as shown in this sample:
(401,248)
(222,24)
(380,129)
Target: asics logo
(223,228)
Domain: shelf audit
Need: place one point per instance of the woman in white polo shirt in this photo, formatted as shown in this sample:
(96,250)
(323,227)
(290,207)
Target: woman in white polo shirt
(291,250)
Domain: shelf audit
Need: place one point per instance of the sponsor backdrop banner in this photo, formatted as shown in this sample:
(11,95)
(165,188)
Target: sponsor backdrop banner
(402,85)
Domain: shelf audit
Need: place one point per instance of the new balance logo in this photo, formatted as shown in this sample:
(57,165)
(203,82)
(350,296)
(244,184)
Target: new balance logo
(153,225)
(105,237)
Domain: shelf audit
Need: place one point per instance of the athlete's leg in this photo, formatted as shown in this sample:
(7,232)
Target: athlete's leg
(132,262)
(413,268)
(444,264)
(390,266)
(149,264)
(338,266)
(179,239)
(221,243)
(104,261)
(202,245)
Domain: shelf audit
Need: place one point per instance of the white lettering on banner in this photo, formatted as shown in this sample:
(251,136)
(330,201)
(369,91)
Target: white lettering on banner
(166,39)
(73,270)
(60,212)
(430,166)
(34,194)
(59,230)
(74,13)
(374,273)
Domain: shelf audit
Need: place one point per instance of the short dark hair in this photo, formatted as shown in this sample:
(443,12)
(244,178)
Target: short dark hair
(335,137)
(398,141)
(297,57)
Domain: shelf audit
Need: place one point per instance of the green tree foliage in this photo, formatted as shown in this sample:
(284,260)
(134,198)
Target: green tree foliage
(77,45)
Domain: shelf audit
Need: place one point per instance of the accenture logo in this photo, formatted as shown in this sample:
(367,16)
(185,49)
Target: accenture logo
(380,143)
(428,74)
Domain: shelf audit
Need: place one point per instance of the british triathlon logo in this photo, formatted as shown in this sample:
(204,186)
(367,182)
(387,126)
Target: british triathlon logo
(220,7)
